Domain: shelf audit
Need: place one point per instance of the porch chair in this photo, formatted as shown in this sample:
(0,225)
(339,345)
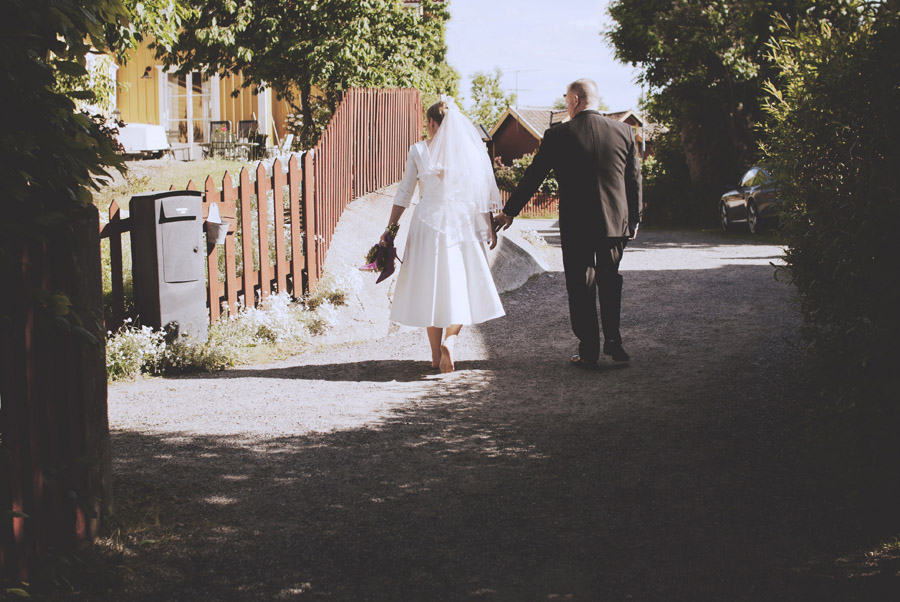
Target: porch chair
(282,149)
(221,140)
(247,128)
(250,139)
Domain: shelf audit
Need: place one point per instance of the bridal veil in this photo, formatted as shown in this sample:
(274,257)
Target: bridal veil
(468,190)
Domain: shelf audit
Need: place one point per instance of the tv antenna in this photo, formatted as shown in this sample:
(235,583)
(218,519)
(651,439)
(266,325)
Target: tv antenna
(517,88)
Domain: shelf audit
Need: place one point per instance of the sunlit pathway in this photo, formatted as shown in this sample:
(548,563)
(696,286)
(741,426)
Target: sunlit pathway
(357,473)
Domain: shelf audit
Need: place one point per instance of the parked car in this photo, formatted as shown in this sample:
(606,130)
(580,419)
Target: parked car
(753,202)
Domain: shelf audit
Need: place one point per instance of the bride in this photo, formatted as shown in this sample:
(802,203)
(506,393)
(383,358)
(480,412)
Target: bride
(445,281)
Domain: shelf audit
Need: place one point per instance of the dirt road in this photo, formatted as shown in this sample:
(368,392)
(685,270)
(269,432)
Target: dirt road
(357,473)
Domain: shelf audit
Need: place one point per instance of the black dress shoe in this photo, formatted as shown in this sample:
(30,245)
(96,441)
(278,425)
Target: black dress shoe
(616,351)
(582,363)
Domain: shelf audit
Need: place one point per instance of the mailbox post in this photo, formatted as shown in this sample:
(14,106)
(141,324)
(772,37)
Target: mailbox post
(167,260)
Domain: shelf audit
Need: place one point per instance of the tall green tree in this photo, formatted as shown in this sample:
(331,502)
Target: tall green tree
(157,20)
(705,64)
(445,80)
(488,98)
(300,46)
(438,77)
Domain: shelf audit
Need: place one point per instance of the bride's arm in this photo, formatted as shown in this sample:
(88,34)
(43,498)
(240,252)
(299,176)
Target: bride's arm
(404,191)
(396,212)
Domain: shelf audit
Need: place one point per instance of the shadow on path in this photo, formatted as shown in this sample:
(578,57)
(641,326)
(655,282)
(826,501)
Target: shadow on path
(674,478)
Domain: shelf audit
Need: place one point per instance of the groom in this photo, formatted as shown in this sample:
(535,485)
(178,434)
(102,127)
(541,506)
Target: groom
(598,168)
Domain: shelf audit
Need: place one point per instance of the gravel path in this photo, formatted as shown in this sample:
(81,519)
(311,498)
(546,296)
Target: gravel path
(355,472)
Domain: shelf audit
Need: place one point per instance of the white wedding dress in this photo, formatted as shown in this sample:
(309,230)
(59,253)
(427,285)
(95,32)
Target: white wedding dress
(445,277)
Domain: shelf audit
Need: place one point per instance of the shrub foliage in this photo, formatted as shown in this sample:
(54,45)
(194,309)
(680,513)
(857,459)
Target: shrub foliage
(833,144)
(668,195)
(704,64)
(508,177)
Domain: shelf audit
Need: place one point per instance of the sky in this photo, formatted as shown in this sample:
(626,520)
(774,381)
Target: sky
(550,43)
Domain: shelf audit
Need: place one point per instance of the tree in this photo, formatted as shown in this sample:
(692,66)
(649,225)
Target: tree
(559,104)
(299,47)
(50,154)
(53,422)
(156,20)
(440,78)
(833,145)
(705,64)
(509,177)
(488,98)
(445,82)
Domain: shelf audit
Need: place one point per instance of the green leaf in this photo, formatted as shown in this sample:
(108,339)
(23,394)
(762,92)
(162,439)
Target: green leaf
(56,304)
(70,68)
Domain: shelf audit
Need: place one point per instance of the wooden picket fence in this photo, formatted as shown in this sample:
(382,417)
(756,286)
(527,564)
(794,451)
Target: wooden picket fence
(540,205)
(55,461)
(283,223)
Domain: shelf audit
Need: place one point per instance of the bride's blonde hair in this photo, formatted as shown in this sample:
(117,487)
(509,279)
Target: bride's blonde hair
(437,111)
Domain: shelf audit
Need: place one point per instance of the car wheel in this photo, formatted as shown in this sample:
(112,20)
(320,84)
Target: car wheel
(723,216)
(753,222)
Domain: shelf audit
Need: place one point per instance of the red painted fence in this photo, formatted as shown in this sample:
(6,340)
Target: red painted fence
(362,149)
(55,469)
(540,205)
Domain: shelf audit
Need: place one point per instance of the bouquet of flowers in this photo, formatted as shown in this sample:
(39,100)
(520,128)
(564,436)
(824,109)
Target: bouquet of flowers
(381,257)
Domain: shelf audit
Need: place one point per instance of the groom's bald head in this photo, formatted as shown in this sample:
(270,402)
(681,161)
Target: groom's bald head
(582,94)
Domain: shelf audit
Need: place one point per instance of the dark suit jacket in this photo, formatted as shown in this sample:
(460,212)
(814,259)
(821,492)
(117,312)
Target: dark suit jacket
(598,168)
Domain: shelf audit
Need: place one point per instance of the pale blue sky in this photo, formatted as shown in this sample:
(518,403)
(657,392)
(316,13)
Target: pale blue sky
(550,42)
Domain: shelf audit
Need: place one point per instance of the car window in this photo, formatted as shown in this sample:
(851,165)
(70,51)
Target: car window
(763,178)
(747,180)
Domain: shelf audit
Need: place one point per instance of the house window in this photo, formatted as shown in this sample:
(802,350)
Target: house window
(189,107)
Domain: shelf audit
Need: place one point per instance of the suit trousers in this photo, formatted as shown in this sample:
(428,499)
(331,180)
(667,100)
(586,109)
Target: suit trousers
(593,269)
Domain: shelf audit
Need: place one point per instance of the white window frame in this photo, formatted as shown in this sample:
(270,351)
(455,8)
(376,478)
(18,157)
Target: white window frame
(215,105)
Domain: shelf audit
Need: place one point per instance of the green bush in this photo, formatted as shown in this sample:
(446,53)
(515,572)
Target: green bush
(278,324)
(131,351)
(508,177)
(835,128)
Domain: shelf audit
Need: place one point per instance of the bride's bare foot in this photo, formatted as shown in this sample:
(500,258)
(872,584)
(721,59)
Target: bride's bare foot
(446,360)
(446,364)
(434,341)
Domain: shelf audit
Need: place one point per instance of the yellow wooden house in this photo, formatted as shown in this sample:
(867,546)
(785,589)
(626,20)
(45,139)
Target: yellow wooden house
(185,105)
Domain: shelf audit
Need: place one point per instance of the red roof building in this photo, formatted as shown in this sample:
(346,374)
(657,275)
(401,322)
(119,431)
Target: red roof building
(519,131)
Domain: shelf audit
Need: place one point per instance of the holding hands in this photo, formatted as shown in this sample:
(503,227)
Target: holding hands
(501,221)
(493,238)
